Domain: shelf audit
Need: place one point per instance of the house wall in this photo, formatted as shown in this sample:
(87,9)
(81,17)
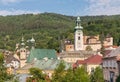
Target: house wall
(110,66)
(69,47)
(22,63)
(94,47)
(91,67)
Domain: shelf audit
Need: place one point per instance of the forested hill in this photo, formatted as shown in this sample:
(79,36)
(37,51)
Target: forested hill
(49,28)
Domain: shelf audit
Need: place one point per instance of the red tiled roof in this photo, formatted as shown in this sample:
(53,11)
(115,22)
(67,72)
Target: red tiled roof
(111,46)
(77,63)
(95,59)
(74,65)
(80,61)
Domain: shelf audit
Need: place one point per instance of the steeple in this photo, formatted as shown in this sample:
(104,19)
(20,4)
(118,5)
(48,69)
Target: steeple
(78,22)
(22,41)
(32,42)
(78,35)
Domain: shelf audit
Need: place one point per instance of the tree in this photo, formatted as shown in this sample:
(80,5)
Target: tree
(118,79)
(81,75)
(76,75)
(102,44)
(69,76)
(88,48)
(59,73)
(37,75)
(97,75)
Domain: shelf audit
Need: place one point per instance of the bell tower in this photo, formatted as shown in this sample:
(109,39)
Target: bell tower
(78,43)
(23,53)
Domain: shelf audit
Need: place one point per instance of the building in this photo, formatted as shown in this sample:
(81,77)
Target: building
(11,63)
(38,54)
(90,63)
(22,51)
(73,56)
(46,65)
(111,66)
(81,42)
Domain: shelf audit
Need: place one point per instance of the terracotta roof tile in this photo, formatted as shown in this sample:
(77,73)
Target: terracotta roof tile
(95,59)
(111,46)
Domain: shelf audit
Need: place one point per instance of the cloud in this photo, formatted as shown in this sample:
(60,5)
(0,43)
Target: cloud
(9,1)
(17,12)
(103,7)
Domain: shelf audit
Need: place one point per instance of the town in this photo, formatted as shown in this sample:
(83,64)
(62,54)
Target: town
(59,40)
(86,52)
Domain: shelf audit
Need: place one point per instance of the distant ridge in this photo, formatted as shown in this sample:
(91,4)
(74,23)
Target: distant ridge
(49,28)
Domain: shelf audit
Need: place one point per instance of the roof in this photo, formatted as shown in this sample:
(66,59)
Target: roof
(107,52)
(78,54)
(111,46)
(41,53)
(95,59)
(9,58)
(43,64)
(114,53)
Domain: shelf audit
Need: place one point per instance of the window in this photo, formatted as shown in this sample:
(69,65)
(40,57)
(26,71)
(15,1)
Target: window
(78,38)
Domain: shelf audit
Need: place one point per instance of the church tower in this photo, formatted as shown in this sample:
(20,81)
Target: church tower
(23,53)
(78,43)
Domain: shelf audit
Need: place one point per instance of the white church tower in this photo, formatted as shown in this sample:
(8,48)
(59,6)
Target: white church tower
(78,36)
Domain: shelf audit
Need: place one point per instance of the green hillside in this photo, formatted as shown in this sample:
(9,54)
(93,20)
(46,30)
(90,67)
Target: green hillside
(49,28)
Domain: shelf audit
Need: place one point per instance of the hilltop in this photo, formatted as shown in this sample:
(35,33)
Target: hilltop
(49,28)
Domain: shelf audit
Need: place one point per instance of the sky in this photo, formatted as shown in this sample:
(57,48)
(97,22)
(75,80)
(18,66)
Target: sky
(65,7)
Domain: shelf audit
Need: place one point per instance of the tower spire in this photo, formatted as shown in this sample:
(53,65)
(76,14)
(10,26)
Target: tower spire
(32,41)
(22,41)
(78,21)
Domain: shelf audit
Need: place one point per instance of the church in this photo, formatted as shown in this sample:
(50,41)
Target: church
(84,46)
(82,42)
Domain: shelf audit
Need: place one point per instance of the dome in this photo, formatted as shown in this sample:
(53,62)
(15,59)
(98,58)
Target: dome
(32,40)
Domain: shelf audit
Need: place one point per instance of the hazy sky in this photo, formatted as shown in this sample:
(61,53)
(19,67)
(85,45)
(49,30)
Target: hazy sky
(66,7)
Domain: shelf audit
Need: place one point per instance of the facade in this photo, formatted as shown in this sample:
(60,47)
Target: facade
(46,65)
(73,56)
(111,65)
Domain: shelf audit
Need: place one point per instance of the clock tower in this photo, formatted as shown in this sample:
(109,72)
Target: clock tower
(78,43)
